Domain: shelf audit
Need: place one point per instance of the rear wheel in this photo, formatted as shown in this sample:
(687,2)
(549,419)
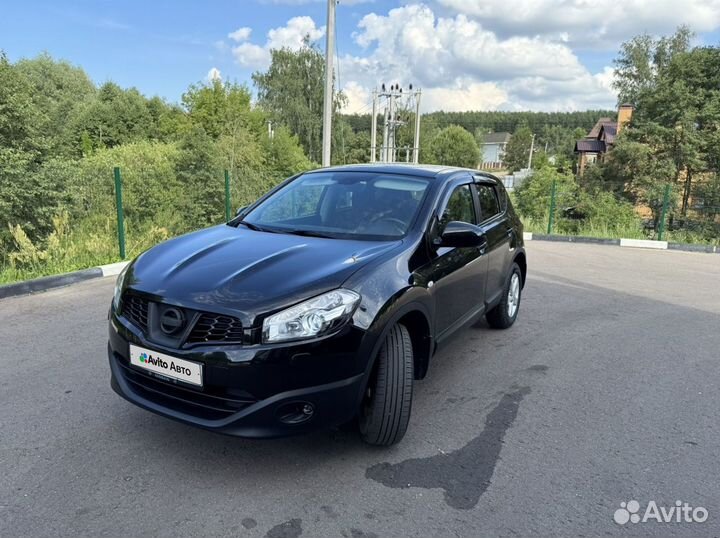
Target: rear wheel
(386,406)
(505,313)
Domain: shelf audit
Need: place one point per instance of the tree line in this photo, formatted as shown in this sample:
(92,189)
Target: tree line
(61,135)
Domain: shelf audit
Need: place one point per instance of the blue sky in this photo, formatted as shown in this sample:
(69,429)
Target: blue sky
(466,54)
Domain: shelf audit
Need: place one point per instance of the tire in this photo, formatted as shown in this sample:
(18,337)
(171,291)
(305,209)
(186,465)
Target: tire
(503,316)
(385,411)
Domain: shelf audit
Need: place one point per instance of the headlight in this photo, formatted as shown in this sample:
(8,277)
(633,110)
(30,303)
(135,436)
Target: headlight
(311,318)
(119,287)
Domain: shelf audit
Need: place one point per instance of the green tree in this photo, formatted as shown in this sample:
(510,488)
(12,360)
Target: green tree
(292,90)
(221,108)
(559,140)
(517,152)
(167,120)
(643,60)
(25,199)
(636,171)
(480,133)
(151,191)
(199,172)
(58,89)
(116,116)
(676,92)
(20,119)
(533,195)
(454,146)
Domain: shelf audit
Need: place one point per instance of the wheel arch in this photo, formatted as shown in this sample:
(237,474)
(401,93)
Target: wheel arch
(521,259)
(415,315)
(417,324)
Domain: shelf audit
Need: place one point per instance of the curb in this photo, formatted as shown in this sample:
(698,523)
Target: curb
(644,243)
(575,239)
(627,243)
(57,281)
(710,249)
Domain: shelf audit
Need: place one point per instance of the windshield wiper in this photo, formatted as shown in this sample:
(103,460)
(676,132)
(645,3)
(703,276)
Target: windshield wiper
(308,233)
(255,227)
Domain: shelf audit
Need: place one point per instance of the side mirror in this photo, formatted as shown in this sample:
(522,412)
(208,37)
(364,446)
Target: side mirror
(240,211)
(461,235)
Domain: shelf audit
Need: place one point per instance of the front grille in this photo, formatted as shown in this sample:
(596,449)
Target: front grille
(216,328)
(186,400)
(135,309)
(207,327)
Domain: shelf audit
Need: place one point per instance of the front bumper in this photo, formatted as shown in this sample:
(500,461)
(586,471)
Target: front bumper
(248,392)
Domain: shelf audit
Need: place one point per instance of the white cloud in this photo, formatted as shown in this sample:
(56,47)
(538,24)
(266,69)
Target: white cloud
(251,55)
(588,23)
(214,74)
(241,34)
(357,98)
(464,95)
(289,36)
(461,65)
(293,34)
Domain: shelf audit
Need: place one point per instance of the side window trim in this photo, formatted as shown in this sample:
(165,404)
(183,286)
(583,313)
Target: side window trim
(501,194)
(476,204)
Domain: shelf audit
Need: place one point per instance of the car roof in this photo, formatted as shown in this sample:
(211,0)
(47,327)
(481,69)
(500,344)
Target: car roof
(422,170)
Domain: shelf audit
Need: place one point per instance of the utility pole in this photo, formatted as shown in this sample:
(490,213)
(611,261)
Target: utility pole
(373,130)
(386,133)
(391,136)
(416,144)
(392,120)
(329,84)
(532,147)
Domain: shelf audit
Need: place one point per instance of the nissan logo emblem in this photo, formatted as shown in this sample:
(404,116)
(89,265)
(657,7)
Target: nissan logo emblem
(171,320)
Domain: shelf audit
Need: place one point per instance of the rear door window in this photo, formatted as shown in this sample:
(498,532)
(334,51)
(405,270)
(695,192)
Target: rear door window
(489,206)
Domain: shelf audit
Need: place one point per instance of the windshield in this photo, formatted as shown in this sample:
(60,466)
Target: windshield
(357,205)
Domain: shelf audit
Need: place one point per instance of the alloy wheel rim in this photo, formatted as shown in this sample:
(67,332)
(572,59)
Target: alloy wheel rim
(513,295)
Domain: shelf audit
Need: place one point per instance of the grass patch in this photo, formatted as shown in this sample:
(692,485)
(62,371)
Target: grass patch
(88,243)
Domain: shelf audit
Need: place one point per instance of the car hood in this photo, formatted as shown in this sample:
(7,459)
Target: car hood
(245,272)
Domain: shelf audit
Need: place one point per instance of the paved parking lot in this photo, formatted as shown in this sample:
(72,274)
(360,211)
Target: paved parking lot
(605,390)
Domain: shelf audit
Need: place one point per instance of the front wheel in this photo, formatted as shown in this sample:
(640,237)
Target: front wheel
(505,313)
(386,406)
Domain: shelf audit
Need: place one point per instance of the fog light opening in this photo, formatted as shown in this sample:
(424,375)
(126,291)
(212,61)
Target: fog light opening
(295,412)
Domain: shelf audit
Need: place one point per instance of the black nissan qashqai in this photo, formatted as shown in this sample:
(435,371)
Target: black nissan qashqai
(320,303)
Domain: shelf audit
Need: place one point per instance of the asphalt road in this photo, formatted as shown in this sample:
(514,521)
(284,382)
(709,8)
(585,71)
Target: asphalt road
(604,391)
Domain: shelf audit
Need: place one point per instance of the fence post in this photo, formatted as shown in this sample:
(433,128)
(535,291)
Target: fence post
(227,196)
(666,202)
(120,214)
(551,219)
